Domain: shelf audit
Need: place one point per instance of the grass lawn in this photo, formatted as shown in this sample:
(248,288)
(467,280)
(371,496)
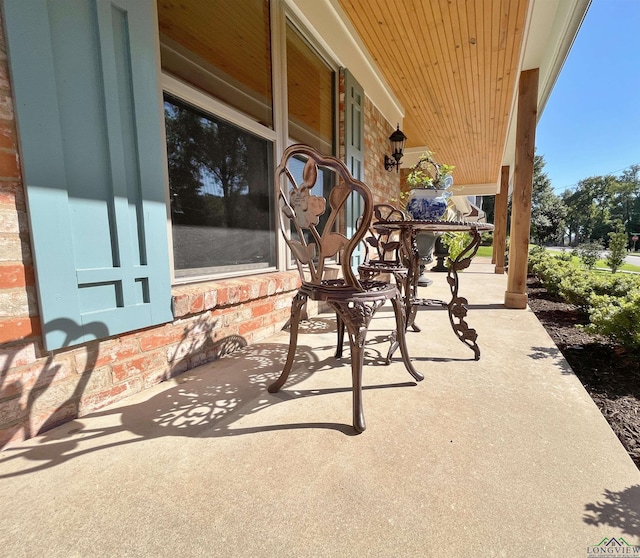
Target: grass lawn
(487,252)
(625,266)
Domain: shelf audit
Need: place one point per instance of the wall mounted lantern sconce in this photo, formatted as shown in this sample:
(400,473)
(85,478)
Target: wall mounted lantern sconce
(397,140)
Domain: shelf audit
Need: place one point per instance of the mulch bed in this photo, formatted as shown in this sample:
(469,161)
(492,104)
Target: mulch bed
(610,374)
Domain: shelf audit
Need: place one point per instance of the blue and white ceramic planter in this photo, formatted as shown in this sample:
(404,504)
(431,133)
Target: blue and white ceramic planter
(427,204)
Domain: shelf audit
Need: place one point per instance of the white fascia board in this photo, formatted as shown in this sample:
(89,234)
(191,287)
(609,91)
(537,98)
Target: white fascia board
(551,27)
(333,30)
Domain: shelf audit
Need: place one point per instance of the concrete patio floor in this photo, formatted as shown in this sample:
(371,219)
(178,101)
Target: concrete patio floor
(505,456)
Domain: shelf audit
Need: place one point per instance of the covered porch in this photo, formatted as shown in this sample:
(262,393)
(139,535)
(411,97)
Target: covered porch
(505,456)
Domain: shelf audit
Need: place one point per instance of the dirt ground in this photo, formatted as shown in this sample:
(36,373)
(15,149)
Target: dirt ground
(610,374)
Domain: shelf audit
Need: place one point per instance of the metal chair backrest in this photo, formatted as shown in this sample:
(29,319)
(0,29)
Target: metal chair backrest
(385,242)
(301,212)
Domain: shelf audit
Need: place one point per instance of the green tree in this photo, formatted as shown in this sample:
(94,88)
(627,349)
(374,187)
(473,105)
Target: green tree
(599,202)
(626,197)
(589,209)
(185,140)
(617,248)
(548,211)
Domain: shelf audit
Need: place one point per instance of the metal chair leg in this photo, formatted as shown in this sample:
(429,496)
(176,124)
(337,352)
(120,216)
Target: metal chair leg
(340,333)
(357,360)
(296,308)
(356,318)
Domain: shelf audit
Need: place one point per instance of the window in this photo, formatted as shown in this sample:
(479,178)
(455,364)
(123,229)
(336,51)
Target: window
(221,191)
(221,132)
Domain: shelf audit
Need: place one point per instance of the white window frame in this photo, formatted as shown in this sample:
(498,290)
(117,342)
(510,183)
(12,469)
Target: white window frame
(205,102)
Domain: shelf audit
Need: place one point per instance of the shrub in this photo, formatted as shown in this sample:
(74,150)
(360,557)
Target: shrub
(564,256)
(615,285)
(486,239)
(616,318)
(617,249)
(536,255)
(455,242)
(577,288)
(612,301)
(589,253)
(552,270)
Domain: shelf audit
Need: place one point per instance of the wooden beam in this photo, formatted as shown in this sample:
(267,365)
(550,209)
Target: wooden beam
(500,221)
(516,294)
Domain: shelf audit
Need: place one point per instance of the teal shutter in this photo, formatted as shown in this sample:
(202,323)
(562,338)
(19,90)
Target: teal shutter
(354,152)
(85,82)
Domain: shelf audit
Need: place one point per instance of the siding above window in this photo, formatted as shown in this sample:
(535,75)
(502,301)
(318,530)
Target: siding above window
(221,47)
(310,94)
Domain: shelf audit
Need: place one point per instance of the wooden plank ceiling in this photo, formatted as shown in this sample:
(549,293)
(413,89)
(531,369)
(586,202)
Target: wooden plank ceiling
(453,65)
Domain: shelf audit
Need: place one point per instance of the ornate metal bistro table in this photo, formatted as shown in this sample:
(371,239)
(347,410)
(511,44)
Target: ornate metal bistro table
(457,306)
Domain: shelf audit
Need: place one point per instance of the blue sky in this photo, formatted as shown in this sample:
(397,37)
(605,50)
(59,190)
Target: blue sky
(591,124)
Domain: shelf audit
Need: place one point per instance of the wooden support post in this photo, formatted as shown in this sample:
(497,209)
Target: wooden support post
(500,221)
(516,294)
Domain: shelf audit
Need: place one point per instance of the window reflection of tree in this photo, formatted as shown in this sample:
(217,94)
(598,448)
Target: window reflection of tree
(208,169)
(219,175)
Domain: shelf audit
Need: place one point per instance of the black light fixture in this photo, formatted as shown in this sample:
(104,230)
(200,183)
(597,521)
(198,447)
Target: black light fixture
(397,140)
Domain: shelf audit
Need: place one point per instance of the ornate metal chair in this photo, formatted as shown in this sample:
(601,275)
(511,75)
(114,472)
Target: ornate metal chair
(386,256)
(314,245)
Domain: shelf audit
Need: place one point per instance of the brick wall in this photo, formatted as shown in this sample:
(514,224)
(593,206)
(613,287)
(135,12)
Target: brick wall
(17,294)
(39,390)
(385,184)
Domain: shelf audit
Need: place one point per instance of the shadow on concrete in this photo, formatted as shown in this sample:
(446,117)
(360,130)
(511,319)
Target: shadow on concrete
(211,401)
(553,353)
(620,510)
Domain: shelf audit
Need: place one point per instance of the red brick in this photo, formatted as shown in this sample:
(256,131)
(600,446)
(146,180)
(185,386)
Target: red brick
(7,135)
(154,339)
(94,356)
(13,434)
(210,299)
(260,309)
(250,325)
(153,377)
(9,167)
(55,417)
(264,288)
(6,107)
(223,296)
(22,380)
(196,303)
(13,329)
(111,395)
(277,317)
(12,196)
(20,355)
(137,366)
(180,305)
(16,276)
